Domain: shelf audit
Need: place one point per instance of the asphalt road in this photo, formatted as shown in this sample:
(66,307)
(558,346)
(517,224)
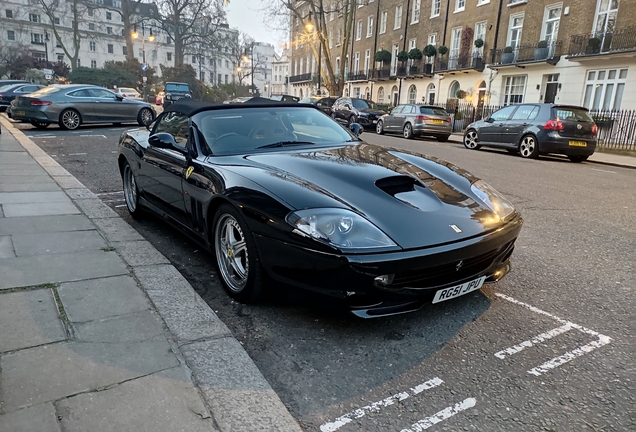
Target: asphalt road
(548,348)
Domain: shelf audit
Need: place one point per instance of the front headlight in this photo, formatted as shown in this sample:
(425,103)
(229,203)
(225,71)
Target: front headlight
(339,228)
(168,95)
(493,199)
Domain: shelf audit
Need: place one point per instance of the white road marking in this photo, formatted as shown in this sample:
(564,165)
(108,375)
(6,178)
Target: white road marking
(596,169)
(41,136)
(110,193)
(568,356)
(84,136)
(375,406)
(113,200)
(76,154)
(534,341)
(441,415)
(122,205)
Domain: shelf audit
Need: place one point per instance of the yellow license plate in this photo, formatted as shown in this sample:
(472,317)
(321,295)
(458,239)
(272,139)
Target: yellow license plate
(19,113)
(437,121)
(578,144)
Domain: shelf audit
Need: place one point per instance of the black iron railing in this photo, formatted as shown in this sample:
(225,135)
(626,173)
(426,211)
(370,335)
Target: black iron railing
(358,77)
(602,43)
(381,74)
(616,129)
(551,53)
(460,62)
(300,78)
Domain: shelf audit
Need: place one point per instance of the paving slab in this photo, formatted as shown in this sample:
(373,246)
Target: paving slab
(29,187)
(44,224)
(185,313)
(67,182)
(139,253)
(95,208)
(80,193)
(33,197)
(236,391)
(135,327)
(162,402)
(10,146)
(18,173)
(39,418)
(117,230)
(41,269)
(6,246)
(47,373)
(16,158)
(59,242)
(56,170)
(29,318)
(102,298)
(39,209)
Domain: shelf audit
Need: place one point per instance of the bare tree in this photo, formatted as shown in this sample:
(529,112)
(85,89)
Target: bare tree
(190,23)
(55,11)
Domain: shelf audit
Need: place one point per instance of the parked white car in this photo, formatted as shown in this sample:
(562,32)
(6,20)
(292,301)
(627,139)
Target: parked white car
(128,92)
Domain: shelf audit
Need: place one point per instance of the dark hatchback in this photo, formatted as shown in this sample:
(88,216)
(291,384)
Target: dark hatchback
(534,129)
(11,91)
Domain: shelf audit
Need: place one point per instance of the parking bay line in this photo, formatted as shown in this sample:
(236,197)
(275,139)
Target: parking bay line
(441,415)
(567,325)
(86,136)
(375,406)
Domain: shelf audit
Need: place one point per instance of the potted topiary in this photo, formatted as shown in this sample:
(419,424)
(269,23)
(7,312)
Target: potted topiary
(415,54)
(443,63)
(478,55)
(402,56)
(541,51)
(479,43)
(508,55)
(429,51)
(593,46)
(384,57)
(461,94)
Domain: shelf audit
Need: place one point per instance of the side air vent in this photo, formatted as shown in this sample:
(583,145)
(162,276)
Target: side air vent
(397,184)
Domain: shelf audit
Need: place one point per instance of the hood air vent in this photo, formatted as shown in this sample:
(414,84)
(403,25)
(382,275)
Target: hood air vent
(397,184)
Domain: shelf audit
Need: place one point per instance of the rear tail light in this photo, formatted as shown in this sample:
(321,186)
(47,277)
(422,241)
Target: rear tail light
(421,117)
(123,95)
(556,125)
(594,129)
(40,102)
(448,120)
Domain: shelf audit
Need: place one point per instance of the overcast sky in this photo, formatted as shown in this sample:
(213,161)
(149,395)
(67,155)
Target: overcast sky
(247,16)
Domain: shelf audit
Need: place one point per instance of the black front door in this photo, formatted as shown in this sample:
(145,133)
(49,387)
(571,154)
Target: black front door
(550,92)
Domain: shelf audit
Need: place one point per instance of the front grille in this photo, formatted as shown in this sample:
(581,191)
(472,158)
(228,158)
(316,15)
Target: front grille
(448,273)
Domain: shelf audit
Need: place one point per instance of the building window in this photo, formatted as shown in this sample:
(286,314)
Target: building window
(416,12)
(168,40)
(37,38)
(412,94)
(34,17)
(202,76)
(38,55)
(383,19)
(60,58)
(514,89)
(8,13)
(356,92)
(337,66)
(339,39)
(141,53)
(109,15)
(212,62)
(194,59)
(56,20)
(604,89)
(381,95)
(460,5)
(482,2)
(370,26)
(436,6)
(359,30)
(360,3)
(109,30)
(227,64)
(124,50)
(330,38)
(79,62)
(111,48)
(90,12)
(92,45)
(605,20)
(453,89)
(10,35)
(91,26)
(551,21)
(398,17)
(514,32)
(480,33)
(332,13)
(226,79)
(356,63)
(93,64)
(453,53)
(367,61)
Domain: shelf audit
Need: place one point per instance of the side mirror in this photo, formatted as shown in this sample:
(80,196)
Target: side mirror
(489,120)
(356,129)
(165,141)
(119,97)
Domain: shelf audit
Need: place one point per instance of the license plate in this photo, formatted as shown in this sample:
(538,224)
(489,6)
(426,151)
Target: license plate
(19,113)
(578,144)
(437,121)
(458,290)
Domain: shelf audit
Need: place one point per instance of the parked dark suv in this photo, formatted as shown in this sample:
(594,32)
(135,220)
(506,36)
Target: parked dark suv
(175,91)
(354,110)
(534,129)
(324,103)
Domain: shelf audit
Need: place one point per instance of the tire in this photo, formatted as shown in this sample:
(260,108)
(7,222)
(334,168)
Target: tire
(528,147)
(379,127)
(577,159)
(70,119)
(334,116)
(239,267)
(352,120)
(131,192)
(442,138)
(470,140)
(39,124)
(145,117)
(407,131)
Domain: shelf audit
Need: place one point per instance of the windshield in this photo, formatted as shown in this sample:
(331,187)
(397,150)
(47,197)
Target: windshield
(178,87)
(361,103)
(45,91)
(433,111)
(232,131)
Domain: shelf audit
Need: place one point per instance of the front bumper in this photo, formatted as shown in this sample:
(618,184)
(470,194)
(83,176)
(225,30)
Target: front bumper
(418,274)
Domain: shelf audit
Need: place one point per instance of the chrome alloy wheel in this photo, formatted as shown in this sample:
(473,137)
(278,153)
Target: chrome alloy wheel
(528,146)
(231,253)
(130,189)
(470,140)
(379,127)
(146,116)
(408,131)
(70,119)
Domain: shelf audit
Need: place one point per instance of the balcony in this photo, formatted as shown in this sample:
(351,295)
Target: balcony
(595,44)
(358,77)
(461,62)
(380,74)
(295,79)
(526,54)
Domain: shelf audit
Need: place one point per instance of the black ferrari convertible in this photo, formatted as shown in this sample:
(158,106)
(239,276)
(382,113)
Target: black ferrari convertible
(282,192)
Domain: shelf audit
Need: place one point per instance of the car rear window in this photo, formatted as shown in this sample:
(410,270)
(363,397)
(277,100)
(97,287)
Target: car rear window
(177,87)
(46,91)
(433,111)
(572,114)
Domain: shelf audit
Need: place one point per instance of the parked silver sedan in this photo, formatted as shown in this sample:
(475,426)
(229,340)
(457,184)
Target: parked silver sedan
(415,120)
(71,105)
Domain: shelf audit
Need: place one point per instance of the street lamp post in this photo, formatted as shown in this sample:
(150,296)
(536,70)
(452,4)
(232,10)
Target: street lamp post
(144,66)
(46,47)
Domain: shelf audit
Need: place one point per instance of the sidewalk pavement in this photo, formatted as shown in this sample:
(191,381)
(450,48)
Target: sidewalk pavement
(98,332)
(597,157)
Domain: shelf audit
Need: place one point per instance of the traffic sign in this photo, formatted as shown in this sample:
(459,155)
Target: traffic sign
(144,79)
(144,67)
